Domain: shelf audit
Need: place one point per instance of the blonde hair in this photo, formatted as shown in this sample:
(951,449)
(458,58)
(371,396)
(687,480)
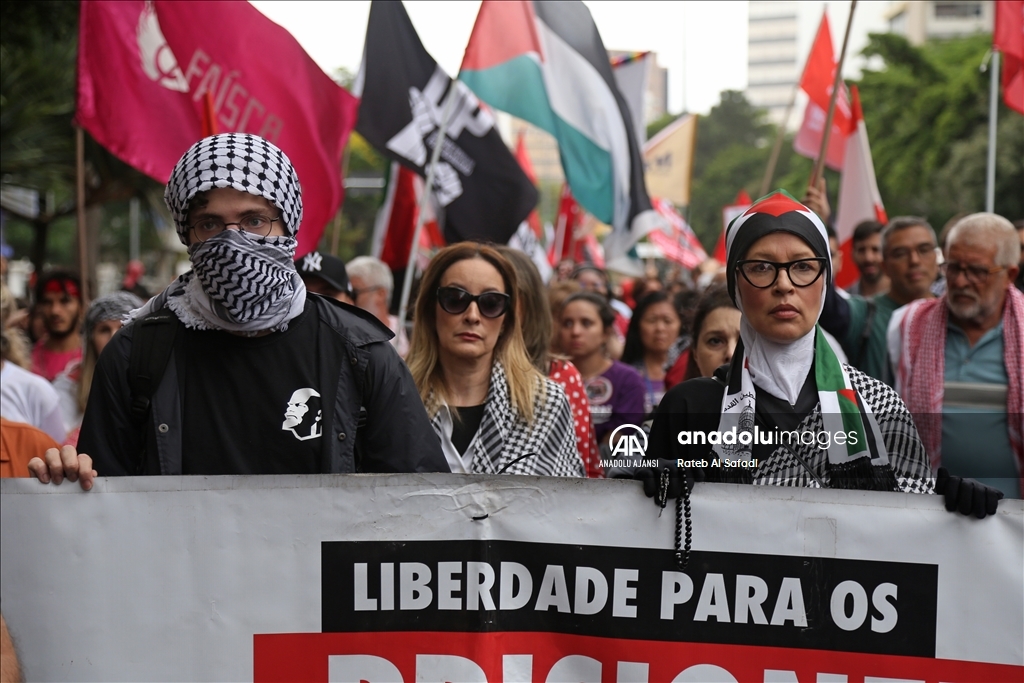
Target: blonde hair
(13,345)
(525,382)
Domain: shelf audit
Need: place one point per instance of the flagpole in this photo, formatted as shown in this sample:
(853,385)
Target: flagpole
(83,260)
(993,110)
(819,165)
(410,268)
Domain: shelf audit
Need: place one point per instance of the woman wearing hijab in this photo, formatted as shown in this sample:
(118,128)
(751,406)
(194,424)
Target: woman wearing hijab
(788,413)
(492,409)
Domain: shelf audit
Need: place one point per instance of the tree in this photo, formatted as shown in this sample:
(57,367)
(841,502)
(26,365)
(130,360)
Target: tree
(926,111)
(733,146)
(38,46)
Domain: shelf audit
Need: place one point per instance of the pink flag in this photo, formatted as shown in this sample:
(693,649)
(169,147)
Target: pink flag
(859,199)
(146,70)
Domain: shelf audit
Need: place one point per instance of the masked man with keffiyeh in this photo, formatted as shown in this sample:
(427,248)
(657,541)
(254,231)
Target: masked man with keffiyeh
(960,361)
(785,411)
(263,377)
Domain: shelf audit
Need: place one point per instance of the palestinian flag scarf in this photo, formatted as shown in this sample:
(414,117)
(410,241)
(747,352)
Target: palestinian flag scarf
(856,461)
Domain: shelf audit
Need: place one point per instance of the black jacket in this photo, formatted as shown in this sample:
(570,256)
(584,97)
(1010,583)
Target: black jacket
(358,368)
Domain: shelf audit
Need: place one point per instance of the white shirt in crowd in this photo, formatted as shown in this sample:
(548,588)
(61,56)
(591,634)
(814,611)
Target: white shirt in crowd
(27,397)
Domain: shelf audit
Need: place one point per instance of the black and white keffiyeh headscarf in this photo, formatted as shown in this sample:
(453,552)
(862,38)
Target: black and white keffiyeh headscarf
(238,283)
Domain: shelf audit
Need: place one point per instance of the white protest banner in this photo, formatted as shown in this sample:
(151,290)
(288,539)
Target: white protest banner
(491,578)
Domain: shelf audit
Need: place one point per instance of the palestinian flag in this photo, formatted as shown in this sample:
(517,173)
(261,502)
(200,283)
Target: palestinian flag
(545,63)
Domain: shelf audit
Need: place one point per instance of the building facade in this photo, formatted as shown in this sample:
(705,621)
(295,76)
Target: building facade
(922,21)
(773,63)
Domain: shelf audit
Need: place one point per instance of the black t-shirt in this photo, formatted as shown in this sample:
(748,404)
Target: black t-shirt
(252,404)
(696,405)
(465,426)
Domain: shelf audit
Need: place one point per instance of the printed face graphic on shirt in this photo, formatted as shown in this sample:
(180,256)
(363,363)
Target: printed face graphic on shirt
(302,415)
(599,394)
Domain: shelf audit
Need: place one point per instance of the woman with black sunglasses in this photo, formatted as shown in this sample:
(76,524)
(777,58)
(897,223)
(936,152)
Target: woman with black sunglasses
(786,411)
(492,409)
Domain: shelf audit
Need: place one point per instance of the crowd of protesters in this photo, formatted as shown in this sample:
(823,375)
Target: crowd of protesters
(254,363)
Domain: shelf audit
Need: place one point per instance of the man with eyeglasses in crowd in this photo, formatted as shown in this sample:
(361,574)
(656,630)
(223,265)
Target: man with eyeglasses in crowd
(372,287)
(262,378)
(958,359)
(910,261)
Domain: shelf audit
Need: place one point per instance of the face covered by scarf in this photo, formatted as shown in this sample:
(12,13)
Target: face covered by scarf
(238,282)
(781,368)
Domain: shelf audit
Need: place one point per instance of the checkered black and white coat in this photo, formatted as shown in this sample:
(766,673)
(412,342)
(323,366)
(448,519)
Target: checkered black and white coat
(504,435)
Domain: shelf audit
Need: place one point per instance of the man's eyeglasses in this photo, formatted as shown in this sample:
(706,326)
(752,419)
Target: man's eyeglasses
(976,275)
(456,300)
(255,224)
(923,251)
(763,274)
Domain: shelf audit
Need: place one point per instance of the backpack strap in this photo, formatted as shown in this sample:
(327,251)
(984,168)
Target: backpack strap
(153,341)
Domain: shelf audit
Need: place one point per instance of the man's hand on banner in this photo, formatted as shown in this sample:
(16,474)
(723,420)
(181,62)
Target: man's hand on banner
(66,463)
(967,495)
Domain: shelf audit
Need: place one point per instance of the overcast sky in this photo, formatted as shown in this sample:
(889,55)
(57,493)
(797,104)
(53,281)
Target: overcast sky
(703,44)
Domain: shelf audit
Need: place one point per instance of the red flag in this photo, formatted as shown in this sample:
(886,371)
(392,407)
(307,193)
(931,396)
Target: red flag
(1009,40)
(738,206)
(396,221)
(859,199)
(820,68)
(524,160)
(144,71)
(210,126)
(817,81)
(566,224)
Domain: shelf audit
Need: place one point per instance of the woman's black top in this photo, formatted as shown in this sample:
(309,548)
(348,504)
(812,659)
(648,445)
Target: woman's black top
(696,406)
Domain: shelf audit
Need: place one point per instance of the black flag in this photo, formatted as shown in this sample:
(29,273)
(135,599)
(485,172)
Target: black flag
(403,92)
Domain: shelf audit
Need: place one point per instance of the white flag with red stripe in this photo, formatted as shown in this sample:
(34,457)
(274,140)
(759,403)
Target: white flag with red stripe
(859,199)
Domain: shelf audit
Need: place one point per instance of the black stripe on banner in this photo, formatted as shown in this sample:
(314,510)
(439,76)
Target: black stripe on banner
(638,593)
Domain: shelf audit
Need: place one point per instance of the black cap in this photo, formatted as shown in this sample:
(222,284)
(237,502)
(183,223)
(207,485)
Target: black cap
(326,267)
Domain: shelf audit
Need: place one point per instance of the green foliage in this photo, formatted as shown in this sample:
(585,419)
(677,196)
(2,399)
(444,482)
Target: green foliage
(359,209)
(733,145)
(926,111)
(38,48)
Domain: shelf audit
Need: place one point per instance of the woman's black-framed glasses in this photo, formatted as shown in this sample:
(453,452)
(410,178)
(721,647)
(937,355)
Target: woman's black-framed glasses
(255,224)
(763,274)
(456,300)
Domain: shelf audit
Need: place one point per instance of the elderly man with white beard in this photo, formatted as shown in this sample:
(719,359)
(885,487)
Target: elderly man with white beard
(959,364)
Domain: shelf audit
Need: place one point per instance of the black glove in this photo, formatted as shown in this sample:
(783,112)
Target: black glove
(967,495)
(677,478)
